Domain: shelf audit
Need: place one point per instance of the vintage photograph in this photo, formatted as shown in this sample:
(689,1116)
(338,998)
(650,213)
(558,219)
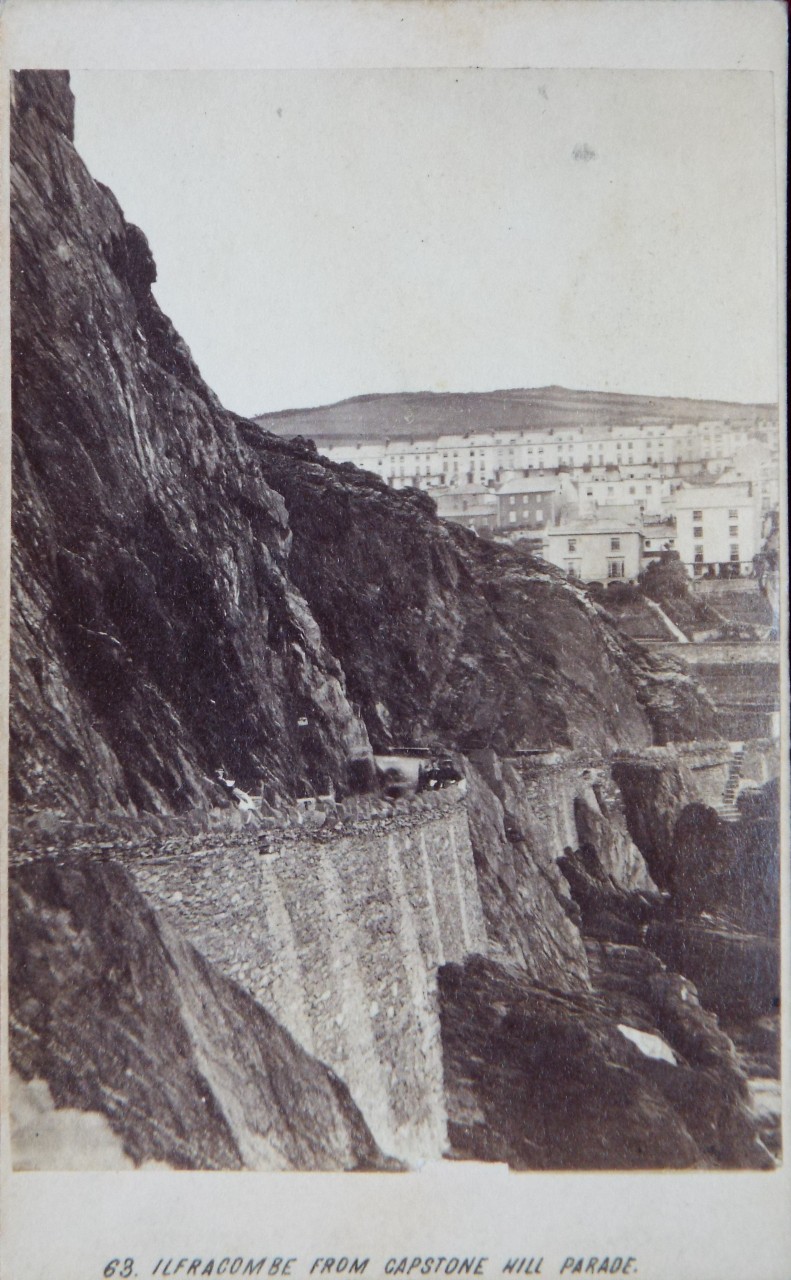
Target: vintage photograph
(396,597)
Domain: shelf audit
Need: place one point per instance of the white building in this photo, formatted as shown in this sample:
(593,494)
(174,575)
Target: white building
(597,549)
(607,464)
(658,536)
(640,487)
(717,528)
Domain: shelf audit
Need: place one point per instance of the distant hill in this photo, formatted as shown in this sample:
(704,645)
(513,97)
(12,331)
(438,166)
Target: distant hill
(406,414)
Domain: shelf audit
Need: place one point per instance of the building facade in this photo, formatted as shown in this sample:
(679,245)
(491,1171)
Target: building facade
(596,550)
(717,528)
(526,502)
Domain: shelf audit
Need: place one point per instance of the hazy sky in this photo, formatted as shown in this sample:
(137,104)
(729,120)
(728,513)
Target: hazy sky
(323,234)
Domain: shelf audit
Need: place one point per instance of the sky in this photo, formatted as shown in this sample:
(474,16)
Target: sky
(324,234)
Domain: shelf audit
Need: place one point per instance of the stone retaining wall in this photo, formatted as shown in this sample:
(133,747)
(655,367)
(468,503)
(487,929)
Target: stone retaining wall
(340,935)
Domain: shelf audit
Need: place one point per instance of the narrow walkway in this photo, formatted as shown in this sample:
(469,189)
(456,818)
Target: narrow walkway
(675,631)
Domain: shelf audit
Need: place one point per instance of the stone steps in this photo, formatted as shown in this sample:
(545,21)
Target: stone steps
(727,808)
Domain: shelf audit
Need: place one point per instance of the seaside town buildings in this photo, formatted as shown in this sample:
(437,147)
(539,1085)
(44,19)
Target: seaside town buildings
(598,501)
(716,527)
(599,549)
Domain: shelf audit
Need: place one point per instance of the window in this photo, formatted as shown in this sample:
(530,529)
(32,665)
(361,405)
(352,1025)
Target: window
(734,551)
(698,555)
(697,515)
(649,488)
(697,531)
(733,531)
(733,515)
(588,493)
(512,517)
(615,544)
(572,544)
(511,500)
(632,489)
(615,569)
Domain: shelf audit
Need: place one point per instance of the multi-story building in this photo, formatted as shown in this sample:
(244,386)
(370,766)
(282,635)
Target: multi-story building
(450,460)
(484,457)
(527,501)
(642,487)
(597,549)
(529,480)
(717,528)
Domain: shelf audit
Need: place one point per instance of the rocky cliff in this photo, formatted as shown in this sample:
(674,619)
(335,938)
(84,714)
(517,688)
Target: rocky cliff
(191,593)
(157,634)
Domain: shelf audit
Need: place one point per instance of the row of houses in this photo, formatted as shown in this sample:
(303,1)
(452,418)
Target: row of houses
(716,526)
(658,449)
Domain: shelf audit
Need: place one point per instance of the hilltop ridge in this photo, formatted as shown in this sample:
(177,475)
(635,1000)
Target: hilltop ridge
(431,413)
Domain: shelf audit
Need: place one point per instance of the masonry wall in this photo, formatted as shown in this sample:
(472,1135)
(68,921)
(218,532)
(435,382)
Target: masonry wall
(340,938)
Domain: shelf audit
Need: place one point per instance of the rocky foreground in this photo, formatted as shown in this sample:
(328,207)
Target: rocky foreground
(191,594)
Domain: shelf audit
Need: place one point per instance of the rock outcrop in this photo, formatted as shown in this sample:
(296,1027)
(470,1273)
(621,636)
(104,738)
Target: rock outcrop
(119,1017)
(157,635)
(638,1076)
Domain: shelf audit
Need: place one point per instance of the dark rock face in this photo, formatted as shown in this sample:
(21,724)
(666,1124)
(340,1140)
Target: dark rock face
(730,867)
(736,971)
(157,635)
(654,793)
(721,927)
(189,591)
(546,1080)
(530,918)
(120,1016)
(607,910)
(444,635)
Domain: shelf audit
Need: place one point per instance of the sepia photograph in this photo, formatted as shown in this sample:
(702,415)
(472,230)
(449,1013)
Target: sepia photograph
(397,595)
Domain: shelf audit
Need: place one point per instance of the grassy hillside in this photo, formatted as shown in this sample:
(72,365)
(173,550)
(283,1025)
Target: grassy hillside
(428,413)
